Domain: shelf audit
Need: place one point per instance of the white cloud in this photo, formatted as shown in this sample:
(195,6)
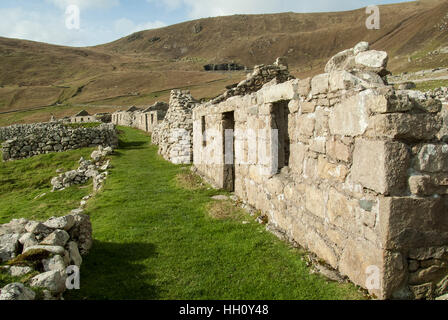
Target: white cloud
(85,4)
(49,28)
(125,26)
(210,8)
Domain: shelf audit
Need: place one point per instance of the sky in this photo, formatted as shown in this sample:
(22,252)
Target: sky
(91,22)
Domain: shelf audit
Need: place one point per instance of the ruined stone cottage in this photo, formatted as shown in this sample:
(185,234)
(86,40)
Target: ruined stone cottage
(145,120)
(341,164)
(345,166)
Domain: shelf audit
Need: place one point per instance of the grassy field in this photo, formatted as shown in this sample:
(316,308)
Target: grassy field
(159,235)
(23,182)
(430,85)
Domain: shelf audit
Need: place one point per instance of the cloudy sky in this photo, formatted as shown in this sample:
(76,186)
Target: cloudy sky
(101,21)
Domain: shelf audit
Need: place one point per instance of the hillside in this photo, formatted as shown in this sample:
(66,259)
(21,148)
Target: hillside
(143,67)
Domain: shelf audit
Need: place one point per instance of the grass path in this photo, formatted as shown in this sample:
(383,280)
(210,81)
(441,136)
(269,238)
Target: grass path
(155,240)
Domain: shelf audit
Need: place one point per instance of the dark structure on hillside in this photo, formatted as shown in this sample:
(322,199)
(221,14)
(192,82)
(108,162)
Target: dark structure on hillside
(224,67)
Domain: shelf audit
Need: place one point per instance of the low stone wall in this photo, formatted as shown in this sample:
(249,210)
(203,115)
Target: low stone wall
(343,165)
(47,252)
(261,75)
(25,141)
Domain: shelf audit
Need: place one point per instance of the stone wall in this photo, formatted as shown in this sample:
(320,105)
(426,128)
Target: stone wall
(262,74)
(47,252)
(174,134)
(343,165)
(25,141)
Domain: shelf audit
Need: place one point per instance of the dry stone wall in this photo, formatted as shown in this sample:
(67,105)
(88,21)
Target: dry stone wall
(44,251)
(344,165)
(174,133)
(262,74)
(25,141)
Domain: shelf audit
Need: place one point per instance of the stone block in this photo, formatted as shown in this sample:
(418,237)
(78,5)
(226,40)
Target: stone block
(404,126)
(305,124)
(432,158)
(341,210)
(308,107)
(406,222)
(323,249)
(381,165)
(330,171)
(350,117)
(338,150)
(372,59)
(359,260)
(315,201)
(389,103)
(304,87)
(318,144)
(297,157)
(294,106)
(421,185)
(320,84)
(283,91)
(321,127)
(310,168)
(343,80)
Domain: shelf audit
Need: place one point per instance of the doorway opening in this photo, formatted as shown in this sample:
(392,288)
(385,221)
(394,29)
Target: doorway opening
(228,125)
(280,122)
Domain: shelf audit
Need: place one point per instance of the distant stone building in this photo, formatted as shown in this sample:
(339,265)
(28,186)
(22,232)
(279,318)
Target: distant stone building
(143,119)
(84,117)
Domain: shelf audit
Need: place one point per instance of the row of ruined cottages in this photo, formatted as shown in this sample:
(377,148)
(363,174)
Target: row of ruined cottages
(342,164)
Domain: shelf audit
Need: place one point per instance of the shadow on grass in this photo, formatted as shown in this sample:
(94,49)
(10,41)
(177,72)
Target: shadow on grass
(132,144)
(116,271)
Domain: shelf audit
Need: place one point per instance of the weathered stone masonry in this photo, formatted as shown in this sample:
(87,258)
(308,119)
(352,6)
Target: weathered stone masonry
(146,120)
(23,141)
(362,177)
(174,134)
(358,176)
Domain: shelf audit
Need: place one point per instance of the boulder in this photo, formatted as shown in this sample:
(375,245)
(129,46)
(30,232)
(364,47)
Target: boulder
(75,256)
(63,223)
(15,226)
(57,238)
(55,263)
(17,292)
(372,60)
(28,240)
(51,280)
(16,271)
(37,228)
(51,249)
(9,244)
(361,47)
(82,233)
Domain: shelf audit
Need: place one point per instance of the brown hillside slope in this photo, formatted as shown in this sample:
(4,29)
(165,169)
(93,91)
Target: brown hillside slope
(143,67)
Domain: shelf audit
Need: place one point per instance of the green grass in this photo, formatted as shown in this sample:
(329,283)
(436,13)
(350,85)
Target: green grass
(430,85)
(23,181)
(154,239)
